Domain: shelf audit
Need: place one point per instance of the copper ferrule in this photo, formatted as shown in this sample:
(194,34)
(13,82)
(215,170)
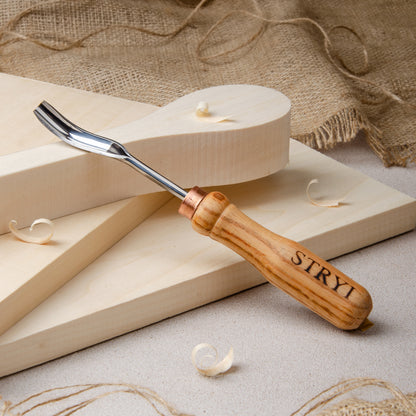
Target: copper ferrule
(191,201)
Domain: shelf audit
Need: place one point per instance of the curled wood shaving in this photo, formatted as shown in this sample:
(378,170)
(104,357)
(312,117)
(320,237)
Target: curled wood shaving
(216,367)
(322,203)
(203,113)
(28,237)
(202,109)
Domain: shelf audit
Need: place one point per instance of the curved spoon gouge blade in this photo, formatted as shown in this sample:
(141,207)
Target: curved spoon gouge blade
(283,262)
(84,140)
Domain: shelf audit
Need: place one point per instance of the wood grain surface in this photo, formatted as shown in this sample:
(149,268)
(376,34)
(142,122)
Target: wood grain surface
(286,264)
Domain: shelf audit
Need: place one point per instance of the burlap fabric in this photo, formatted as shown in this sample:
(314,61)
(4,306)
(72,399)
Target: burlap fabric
(357,407)
(329,107)
(400,405)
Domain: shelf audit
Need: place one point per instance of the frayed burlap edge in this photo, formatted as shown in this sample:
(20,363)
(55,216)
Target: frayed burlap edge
(395,156)
(342,127)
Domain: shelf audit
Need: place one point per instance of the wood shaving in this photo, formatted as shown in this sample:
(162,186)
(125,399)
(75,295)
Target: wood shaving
(322,203)
(30,236)
(202,112)
(202,109)
(215,367)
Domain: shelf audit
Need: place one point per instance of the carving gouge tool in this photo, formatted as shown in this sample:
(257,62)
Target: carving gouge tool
(283,262)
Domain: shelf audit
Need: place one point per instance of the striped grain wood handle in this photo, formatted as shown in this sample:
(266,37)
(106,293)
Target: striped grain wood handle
(283,262)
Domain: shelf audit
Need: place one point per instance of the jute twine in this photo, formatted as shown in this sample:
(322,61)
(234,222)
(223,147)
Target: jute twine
(71,399)
(65,401)
(345,68)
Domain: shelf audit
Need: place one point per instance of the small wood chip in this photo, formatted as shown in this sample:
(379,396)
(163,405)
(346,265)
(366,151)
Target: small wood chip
(202,109)
(203,114)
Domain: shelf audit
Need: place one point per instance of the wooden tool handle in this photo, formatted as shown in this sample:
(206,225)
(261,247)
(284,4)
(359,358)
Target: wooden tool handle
(283,262)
